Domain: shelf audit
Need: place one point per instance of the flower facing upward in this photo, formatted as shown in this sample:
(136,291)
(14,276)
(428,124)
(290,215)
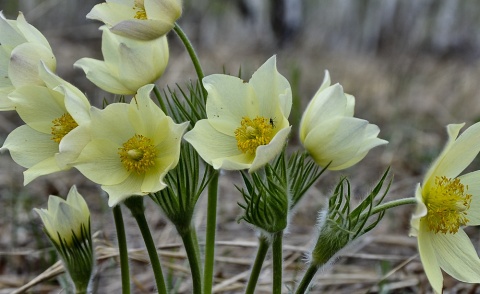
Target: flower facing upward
(246,123)
(50,113)
(131,148)
(129,64)
(22,47)
(66,219)
(331,134)
(446,202)
(138,19)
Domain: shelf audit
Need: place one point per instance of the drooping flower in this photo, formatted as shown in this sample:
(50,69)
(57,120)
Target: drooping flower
(50,114)
(67,224)
(138,19)
(22,47)
(447,202)
(246,123)
(331,134)
(131,148)
(129,64)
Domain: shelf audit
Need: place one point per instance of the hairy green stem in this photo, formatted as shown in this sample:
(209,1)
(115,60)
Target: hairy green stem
(392,204)
(189,238)
(193,55)
(263,245)
(210,234)
(277,256)
(307,278)
(135,204)
(122,248)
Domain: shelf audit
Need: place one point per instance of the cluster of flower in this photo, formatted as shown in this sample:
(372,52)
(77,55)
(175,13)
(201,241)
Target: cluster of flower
(129,148)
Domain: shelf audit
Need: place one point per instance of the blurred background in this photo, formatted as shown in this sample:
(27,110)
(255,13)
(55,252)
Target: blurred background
(413,67)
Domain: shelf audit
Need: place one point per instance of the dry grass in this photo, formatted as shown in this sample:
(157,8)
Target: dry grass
(410,96)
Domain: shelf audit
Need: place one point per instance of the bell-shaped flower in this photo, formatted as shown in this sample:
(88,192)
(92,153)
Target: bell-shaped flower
(247,123)
(132,147)
(67,224)
(330,133)
(447,202)
(129,64)
(22,47)
(138,19)
(50,113)
(65,220)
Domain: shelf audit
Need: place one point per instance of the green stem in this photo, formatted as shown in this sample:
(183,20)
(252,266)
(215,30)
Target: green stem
(277,262)
(159,99)
(189,238)
(257,265)
(193,55)
(392,204)
(210,234)
(122,248)
(135,204)
(307,278)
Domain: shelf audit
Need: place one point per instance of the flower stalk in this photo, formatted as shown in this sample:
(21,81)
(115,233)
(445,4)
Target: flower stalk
(263,245)
(122,249)
(210,234)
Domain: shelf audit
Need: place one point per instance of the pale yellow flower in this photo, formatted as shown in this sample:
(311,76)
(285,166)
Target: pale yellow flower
(129,64)
(247,123)
(22,47)
(446,202)
(50,113)
(138,19)
(66,218)
(132,147)
(331,134)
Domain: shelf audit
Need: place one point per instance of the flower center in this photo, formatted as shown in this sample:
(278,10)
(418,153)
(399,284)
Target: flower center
(253,133)
(62,126)
(139,8)
(138,154)
(447,205)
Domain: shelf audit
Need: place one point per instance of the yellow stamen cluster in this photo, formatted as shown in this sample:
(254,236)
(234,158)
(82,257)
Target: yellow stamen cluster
(62,126)
(139,8)
(138,154)
(447,204)
(253,133)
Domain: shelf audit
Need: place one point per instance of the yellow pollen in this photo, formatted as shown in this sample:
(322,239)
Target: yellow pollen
(139,8)
(447,205)
(138,154)
(62,126)
(253,133)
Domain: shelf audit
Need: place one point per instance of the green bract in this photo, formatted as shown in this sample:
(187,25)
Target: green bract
(252,116)
(446,203)
(131,148)
(331,134)
(138,19)
(129,64)
(22,47)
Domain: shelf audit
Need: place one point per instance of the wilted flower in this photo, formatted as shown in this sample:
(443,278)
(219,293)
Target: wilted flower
(447,202)
(129,64)
(331,134)
(22,47)
(138,19)
(67,224)
(132,147)
(49,116)
(246,123)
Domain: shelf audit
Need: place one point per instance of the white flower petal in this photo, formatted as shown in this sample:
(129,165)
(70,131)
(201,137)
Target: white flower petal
(24,62)
(237,162)
(211,144)
(266,153)
(429,258)
(457,256)
(420,211)
(44,167)
(472,181)
(100,162)
(229,100)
